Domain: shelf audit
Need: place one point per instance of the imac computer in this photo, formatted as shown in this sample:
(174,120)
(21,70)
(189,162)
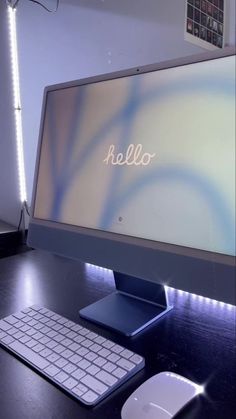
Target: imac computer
(135,172)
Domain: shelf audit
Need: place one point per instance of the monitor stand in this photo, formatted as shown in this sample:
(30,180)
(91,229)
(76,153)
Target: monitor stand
(134,305)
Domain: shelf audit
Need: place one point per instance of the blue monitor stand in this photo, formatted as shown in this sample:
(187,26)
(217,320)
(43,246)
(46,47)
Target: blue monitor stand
(134,305)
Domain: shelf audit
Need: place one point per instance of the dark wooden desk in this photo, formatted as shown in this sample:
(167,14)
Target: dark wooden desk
(196,339)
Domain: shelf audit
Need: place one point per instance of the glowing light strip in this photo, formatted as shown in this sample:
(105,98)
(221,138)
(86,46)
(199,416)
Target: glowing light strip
(17,103)
(200,298)
(179,292)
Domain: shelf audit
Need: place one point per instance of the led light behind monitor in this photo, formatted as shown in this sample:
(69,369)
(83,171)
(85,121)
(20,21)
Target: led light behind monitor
(136,173)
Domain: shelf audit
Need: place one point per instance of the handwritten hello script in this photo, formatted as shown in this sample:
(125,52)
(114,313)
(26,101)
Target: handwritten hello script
(134,156)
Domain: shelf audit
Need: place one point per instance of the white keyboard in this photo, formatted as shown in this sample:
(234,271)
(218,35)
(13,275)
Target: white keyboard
(83,363)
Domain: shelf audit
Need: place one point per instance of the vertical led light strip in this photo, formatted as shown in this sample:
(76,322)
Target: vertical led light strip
(17,102)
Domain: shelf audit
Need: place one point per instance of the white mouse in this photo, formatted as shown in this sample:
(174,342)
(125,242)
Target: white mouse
(160,397)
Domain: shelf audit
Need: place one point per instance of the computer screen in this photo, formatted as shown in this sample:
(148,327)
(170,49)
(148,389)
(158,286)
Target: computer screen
(136,172)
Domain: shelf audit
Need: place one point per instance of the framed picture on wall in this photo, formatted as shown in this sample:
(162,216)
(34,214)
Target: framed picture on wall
(204,23)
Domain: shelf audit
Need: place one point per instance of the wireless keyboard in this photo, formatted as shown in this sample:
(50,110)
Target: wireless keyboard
(83,363)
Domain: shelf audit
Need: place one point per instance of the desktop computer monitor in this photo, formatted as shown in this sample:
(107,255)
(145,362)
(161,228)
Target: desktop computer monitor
(135,172)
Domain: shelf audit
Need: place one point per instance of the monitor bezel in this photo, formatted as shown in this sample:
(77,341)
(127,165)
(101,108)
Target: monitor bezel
(131,247)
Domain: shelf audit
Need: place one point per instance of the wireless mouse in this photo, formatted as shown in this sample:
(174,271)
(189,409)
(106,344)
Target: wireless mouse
(160,397)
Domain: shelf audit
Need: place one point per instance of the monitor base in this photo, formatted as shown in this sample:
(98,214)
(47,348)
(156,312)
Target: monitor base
(136,304)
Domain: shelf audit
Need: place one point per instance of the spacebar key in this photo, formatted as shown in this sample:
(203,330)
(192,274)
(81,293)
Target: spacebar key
(29,355)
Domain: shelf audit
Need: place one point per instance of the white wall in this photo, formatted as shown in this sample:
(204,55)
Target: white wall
(9,184)
(87,37)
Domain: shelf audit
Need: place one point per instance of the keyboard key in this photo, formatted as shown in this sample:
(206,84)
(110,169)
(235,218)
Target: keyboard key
(64,331)
(69,323)
(55,317)
(32,323)
(117,349)
(99,340)
(52,370)
(45,329)
(4,326)
(67,353)
(61,362)
(29,354)
(87,343)
(79,390)
(38,326)
(38,336)
(62,320)
(59,348)
(31,343)
(109,367)
(12,331)
(113,357)
(19,315)
(24,339)
(31,331)
(82,351)
(91,356)
(7,340)
(58,338)
(43,310)
(75,359)
(84,331)
(70,383)
(78,374)
(67,342)
(94,384)
(26,319)
(51,333)
(45,353)
(93,370)
(84,364)
(51,344)
(108,344)
(76,327)
(71,334)
(39,347)
(79,339)
(57,327)
(24,328)
(11,320)
(108,379)
(104,352)
(100,361)
(44,340)
(136,359)
(91,335)
(69,368)
(2,334)
(74,346)
(89,397)
(124,363)
(45,320)
(51,323)
(35,307)
(19,324)
(119,372)
(61,376)
(126,354)
(53,357)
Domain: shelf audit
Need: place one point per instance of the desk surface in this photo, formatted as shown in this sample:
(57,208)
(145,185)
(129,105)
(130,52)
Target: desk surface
(196,339)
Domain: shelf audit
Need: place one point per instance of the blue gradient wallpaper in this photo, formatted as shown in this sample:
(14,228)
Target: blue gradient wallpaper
(150,155)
